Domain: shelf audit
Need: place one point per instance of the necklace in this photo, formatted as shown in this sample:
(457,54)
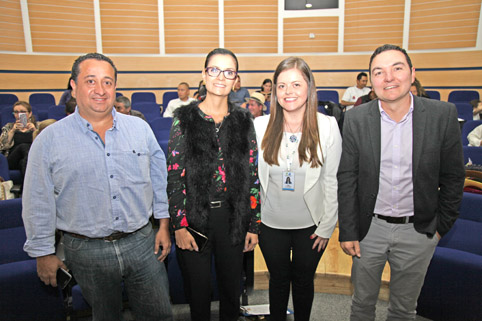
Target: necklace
(293,137)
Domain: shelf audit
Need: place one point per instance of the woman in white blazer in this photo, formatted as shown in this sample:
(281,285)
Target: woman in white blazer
(299,154)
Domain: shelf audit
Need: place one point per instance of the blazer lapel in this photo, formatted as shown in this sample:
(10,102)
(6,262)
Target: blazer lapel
(374,128)
(418,123)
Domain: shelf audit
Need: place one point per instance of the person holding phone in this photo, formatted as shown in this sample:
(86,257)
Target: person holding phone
(16,137)
(299,154)
(213,189)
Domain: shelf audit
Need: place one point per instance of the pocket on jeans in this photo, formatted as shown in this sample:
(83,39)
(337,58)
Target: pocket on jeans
(73,244)
(145,231)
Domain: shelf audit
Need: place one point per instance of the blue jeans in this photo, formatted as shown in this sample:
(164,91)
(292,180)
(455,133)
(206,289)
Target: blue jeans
(100,267)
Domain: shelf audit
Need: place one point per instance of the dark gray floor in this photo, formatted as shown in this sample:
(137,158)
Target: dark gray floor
(327,307)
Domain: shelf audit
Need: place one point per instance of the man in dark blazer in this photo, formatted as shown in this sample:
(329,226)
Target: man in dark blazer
(400,183)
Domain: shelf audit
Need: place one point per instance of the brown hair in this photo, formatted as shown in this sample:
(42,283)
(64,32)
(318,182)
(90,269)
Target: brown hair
(310,139)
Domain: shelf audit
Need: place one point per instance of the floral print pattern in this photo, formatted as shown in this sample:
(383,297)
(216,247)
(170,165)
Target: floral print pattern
(176,174)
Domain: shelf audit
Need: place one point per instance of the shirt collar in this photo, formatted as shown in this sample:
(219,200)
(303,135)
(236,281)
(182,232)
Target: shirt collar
(385,116)
(86,126)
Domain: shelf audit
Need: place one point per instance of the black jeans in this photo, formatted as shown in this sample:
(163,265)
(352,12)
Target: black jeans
(196,271)
(290,259)
(18,156)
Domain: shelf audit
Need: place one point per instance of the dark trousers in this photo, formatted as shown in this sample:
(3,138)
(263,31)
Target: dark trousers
(18,156)
(196,270)
(290,259)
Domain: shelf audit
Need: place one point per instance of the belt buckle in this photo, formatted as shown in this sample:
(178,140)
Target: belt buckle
(215,204)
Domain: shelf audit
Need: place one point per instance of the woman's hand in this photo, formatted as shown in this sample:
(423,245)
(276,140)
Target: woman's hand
(250,242)
(30,126)
(185,241)
(320,242)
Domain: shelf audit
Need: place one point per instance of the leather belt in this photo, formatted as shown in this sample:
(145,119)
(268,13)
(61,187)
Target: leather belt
(216,204)
(113,237)
(395,220)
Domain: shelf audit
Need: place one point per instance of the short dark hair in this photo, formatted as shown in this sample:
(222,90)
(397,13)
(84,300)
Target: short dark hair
(93,55)
(360,75)
(221,51)
(124,100)
(387,47)
(184,83)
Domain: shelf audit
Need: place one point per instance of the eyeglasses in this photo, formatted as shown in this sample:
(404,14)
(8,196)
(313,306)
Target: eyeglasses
(228,74)
(16,112)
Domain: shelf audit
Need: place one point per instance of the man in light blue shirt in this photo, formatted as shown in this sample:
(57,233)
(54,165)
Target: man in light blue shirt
(97,176)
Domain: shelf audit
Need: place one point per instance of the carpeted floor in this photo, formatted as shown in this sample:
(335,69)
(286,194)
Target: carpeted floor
(327,307)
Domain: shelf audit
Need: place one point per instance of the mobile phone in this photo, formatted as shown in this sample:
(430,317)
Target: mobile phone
(201,239)
(63,278)
(23,119)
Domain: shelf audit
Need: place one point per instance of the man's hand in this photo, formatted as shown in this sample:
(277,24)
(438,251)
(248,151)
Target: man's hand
(250,242)
(185,241)
(47,267)
(351,248)
(163,239)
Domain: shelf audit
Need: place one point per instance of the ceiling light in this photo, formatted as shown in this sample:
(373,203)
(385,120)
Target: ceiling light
(308,5)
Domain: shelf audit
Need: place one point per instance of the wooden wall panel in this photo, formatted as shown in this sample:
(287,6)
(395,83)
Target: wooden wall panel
(372,23)
(159,74)
(296,33)
(251,26)
(130,28)
(196,21)
(66,26)
(11,24)
(444,24)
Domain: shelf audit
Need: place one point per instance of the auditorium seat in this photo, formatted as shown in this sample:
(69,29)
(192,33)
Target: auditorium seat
(149,109)
(166,98)
(328,95)
(142,97)
(22,296)
(433,94)
(41,99)
(474,153)
(464,111)
(452,290)
(464,96)
(56,112)
(7,100)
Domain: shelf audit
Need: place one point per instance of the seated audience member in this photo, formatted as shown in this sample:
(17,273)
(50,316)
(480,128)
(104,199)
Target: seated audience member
(184,99)
(366,98)
(70,106)
(352,94)
(477,105)
(66,95)
(475,137)
(123,105)
(16,138)
(41,126)
(238,94)
(256,104)
(417,89)
(266,89)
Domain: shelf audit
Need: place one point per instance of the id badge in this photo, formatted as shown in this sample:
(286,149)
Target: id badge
(288,181)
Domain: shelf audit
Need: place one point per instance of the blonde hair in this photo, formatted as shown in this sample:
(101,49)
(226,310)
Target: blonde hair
(41,126)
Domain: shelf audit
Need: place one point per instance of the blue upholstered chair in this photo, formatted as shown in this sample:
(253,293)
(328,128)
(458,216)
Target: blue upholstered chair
(464,96)
(22,296)
(149,109)
(143,97)
(433,94)
(166,98)
(453,284)
(56,112)
(464,111)
(8,100)
(328,95)
(475,155)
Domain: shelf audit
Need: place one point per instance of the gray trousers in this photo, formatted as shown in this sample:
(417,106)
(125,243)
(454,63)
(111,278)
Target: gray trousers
(408,253)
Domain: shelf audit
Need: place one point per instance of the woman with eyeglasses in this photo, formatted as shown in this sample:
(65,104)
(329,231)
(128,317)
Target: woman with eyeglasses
(299,154)
(16,137)
(213,189)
